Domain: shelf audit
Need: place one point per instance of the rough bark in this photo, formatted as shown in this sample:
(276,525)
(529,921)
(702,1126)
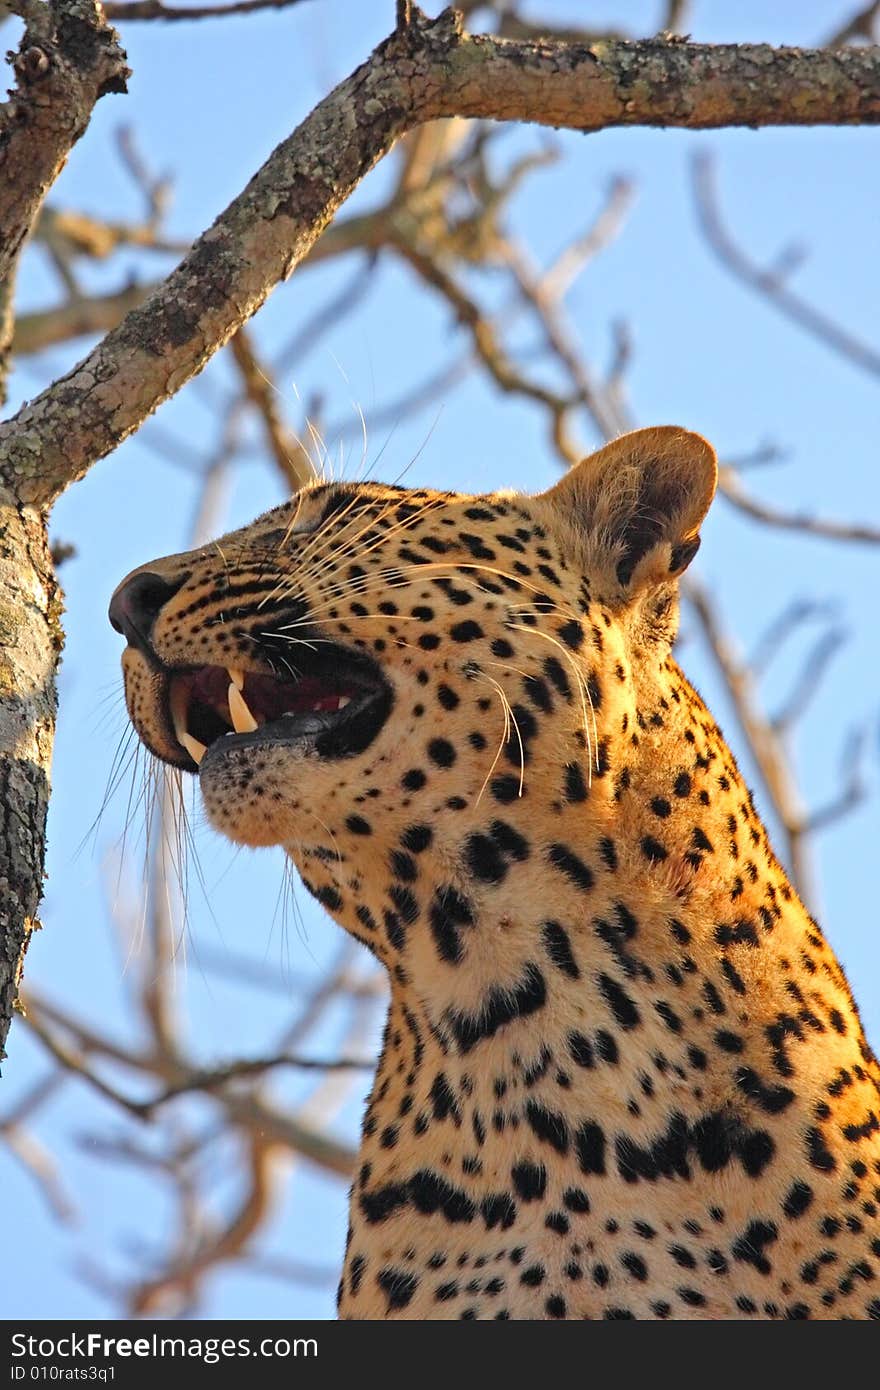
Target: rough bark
(430,70)
(30,644)
(67,59)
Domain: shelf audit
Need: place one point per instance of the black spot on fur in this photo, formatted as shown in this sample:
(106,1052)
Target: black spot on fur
(430,1193)
(558,948)
(799,1198)
(398,1287)
(529,1180)
(441,752)
(572,634)
(818,1152)
(500,1006)
(466,631)
(548,1126)
(573,867)
(581,1049)
(750,1246)
(575,788)
(589,1143)
(505,788)
(619,1002)
(448,912)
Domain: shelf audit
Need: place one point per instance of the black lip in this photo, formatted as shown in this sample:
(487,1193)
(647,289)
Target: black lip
(329,734)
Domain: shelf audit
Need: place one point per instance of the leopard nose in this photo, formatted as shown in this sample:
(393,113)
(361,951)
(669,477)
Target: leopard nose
(136,604)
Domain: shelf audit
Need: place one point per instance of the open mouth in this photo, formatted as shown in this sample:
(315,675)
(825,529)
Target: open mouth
(336,707)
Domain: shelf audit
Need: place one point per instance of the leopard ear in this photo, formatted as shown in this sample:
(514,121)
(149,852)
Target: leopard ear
(633,509)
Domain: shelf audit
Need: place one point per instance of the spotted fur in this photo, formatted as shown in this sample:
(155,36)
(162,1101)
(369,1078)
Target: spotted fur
(623,1075)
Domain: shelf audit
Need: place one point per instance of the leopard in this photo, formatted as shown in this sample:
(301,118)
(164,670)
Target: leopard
(622,1074)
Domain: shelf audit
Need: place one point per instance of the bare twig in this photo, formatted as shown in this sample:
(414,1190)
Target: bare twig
(75,1061)
(573,259)
(813,669)
(675,17)
(763,741)
(31,1154)
(853,785)
(176,1285)
(291,458)
(79,234)
(45,328)
(326,317)
(861,26)
(73,1057)
(215,1078)
(156,192)
(770,284)
(40,1165)
(291,1271)
(126,10)
(777,633)
(607,414)
(731,488)
(490,352)
(763,457)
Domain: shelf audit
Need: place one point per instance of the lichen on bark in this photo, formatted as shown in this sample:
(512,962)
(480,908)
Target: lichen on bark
(30,635)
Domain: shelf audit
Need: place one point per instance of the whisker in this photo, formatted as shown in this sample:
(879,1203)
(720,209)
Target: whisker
(582,687)
(507,715)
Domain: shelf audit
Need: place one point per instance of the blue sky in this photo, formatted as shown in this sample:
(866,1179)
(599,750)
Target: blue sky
(208,102)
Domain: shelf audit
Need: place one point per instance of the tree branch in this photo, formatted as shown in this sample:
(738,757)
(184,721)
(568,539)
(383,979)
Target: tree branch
(770,283)
(731,487)
(762,739)
(154,9)
(68,58)
(291,459)
(861,25)
(429,70)
(45,328)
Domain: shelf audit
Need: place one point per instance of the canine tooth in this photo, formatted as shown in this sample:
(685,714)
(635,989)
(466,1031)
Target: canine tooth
(343,701)
(178,709)
(243,722)
(236,675)
(193,746)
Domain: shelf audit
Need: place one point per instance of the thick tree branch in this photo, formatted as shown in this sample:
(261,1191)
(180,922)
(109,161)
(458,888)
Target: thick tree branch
(430,70)
(68,58)
(657,83)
